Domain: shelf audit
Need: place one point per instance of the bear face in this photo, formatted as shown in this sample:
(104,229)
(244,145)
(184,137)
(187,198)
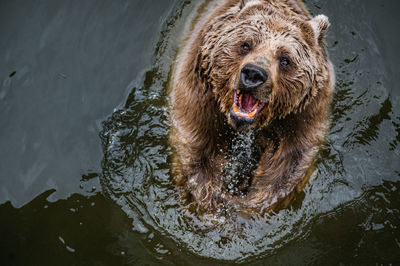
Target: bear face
(262,63)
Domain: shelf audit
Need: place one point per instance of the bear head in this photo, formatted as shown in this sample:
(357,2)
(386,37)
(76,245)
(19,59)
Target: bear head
(263,62)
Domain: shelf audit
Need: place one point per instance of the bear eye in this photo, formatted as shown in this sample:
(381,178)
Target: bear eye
(284,62)
(245,48)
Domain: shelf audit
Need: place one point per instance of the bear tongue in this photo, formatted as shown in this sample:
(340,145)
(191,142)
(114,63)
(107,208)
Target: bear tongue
(248,102)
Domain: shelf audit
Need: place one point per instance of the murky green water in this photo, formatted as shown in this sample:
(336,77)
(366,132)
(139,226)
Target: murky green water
(84,157)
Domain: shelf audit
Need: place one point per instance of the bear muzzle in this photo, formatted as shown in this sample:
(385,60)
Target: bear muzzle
(246,101)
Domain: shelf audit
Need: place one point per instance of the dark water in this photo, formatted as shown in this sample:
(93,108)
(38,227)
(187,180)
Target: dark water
(85,162)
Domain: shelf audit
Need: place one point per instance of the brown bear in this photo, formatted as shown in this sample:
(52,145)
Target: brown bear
(250,95)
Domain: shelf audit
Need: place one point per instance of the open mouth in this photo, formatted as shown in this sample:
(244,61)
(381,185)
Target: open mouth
(245,105)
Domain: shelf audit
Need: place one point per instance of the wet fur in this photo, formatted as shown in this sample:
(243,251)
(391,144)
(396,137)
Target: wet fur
(288,130)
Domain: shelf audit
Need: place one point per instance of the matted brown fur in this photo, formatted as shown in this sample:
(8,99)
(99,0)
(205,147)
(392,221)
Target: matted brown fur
(287,131)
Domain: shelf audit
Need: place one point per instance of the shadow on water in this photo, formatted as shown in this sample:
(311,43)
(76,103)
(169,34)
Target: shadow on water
(82,228)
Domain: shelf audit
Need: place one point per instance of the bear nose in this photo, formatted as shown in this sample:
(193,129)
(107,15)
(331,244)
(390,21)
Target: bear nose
(253,76)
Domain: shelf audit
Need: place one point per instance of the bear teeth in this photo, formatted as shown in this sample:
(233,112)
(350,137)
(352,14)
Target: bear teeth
(252,114)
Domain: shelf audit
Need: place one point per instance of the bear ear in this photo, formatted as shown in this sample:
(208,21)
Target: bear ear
(314,30)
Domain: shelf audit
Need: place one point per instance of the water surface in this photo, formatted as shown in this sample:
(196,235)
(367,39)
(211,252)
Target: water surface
(85,162)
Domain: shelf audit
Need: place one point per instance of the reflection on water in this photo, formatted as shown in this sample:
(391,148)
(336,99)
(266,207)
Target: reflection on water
(136,166)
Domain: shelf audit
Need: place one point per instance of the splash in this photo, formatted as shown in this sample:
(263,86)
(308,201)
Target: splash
(243,158)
